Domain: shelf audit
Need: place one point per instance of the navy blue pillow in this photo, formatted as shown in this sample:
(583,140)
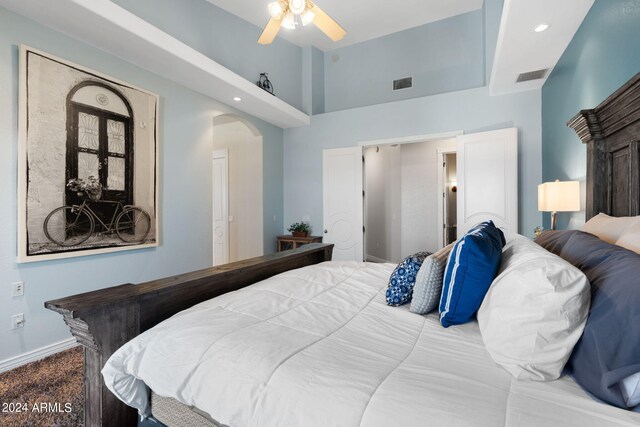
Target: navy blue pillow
(472,266)
(609,349)
(403,278)
(554,240)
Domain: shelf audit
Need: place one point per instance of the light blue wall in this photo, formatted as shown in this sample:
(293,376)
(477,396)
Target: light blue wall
(470,110)
(312,80)
(603,55)
(492,16)
(227,39)
(442,56)
(317,65)
(185,142)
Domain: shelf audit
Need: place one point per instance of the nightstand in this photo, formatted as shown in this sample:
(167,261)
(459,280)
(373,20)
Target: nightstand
(290,242)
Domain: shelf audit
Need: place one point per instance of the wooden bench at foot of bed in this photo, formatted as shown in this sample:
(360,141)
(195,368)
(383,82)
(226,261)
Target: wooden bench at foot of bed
(103,320)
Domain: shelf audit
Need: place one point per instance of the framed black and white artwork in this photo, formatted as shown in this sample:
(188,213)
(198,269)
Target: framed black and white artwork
(87,161)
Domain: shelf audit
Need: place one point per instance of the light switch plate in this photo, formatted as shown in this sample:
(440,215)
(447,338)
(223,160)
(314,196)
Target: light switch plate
(17,289)
(17,321)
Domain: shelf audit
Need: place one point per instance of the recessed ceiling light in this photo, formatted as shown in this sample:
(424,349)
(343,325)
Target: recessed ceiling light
(237,98)
(540,28)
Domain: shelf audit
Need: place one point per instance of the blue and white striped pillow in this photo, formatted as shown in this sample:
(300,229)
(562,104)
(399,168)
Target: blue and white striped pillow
(472,266)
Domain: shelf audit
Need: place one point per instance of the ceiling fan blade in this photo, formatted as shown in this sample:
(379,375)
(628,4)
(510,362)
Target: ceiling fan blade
(327,25)
(270,31)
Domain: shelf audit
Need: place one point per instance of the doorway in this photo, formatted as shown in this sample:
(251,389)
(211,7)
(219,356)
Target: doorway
(402,187)
(449,198)
(238,204)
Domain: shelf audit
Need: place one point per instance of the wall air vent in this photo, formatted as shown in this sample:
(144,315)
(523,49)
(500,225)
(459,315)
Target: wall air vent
(404,83)
(532,75)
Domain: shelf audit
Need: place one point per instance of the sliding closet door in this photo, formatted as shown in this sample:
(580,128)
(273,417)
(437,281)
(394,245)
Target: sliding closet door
(342,202)
(488,179)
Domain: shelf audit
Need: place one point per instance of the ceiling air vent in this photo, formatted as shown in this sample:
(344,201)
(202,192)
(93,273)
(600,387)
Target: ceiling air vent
(404,83)
(532,75)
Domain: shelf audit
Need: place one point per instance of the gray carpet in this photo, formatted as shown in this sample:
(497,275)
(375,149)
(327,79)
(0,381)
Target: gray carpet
(45,393)
(52,390)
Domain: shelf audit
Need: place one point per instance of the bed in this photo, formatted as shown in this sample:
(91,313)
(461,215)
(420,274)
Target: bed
(319,346)
(294,340)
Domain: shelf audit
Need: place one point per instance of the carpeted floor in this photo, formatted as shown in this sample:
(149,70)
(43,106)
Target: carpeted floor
(45,393)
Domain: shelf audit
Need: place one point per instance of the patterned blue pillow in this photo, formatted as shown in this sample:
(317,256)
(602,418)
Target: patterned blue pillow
(403,278)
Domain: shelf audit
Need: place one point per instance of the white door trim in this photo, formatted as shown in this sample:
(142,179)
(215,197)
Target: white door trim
(412,139)
(442,153)
(223,155)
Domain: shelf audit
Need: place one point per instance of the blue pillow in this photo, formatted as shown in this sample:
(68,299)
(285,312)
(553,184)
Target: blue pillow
(472,266)
(609,350)
(403,278)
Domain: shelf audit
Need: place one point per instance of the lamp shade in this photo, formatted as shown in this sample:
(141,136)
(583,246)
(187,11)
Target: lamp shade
(559,196)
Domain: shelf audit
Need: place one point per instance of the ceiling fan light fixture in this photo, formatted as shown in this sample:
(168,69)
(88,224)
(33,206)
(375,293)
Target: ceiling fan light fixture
(275,10)
(289,21)
(291,13)
(307,17)
(297,6)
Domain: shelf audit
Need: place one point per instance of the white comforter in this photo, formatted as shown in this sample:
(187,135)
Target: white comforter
(319,347)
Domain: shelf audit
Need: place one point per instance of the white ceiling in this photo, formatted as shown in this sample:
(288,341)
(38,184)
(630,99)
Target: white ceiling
(140,43)
(363,19)
(520,49)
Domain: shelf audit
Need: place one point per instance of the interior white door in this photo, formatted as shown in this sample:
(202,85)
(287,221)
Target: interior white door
(488,179)
(342,202)
(220,207)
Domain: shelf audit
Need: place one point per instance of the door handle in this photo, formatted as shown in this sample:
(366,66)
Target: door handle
(325,231)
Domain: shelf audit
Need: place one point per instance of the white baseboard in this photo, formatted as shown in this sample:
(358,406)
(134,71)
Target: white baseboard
(372,258)
(37,354)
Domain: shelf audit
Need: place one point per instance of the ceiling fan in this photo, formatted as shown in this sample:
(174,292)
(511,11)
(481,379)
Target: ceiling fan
(289,13)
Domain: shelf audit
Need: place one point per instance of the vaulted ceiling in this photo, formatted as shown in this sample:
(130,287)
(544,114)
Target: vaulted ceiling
(363,19)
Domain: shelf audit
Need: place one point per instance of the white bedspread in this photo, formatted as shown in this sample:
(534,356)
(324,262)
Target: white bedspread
(319,347)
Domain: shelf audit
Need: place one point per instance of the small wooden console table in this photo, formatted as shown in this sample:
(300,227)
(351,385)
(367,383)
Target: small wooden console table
(290,242)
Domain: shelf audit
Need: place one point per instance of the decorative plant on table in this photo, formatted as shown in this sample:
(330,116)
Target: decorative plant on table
(300,229)
(92,188)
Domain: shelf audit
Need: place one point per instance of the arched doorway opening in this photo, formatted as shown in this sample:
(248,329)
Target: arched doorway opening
(237,190)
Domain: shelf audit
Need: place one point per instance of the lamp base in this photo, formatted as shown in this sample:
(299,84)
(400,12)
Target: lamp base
(553,220)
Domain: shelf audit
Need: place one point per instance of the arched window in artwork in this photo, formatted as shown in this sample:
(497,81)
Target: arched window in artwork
(100,141)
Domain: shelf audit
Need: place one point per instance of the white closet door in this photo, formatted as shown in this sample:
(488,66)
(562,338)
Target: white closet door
(488,179)
(342,202)
(220,207)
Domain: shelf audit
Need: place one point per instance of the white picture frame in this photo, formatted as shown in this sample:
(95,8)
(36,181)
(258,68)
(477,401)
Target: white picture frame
(77,123)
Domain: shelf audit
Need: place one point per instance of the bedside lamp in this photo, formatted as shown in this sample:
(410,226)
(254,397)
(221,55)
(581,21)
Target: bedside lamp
(558,196)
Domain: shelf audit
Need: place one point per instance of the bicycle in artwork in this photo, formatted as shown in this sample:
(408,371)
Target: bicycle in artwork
(72,225)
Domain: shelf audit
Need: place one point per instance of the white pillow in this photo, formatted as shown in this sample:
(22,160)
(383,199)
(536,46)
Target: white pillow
(609,228)
(534,312)
(631,390)
(630,238)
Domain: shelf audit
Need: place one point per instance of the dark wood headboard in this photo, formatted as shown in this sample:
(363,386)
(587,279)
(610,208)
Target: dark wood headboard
(612,134)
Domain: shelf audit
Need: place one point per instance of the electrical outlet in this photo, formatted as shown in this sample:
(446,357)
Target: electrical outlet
(17,289)
(17,321)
